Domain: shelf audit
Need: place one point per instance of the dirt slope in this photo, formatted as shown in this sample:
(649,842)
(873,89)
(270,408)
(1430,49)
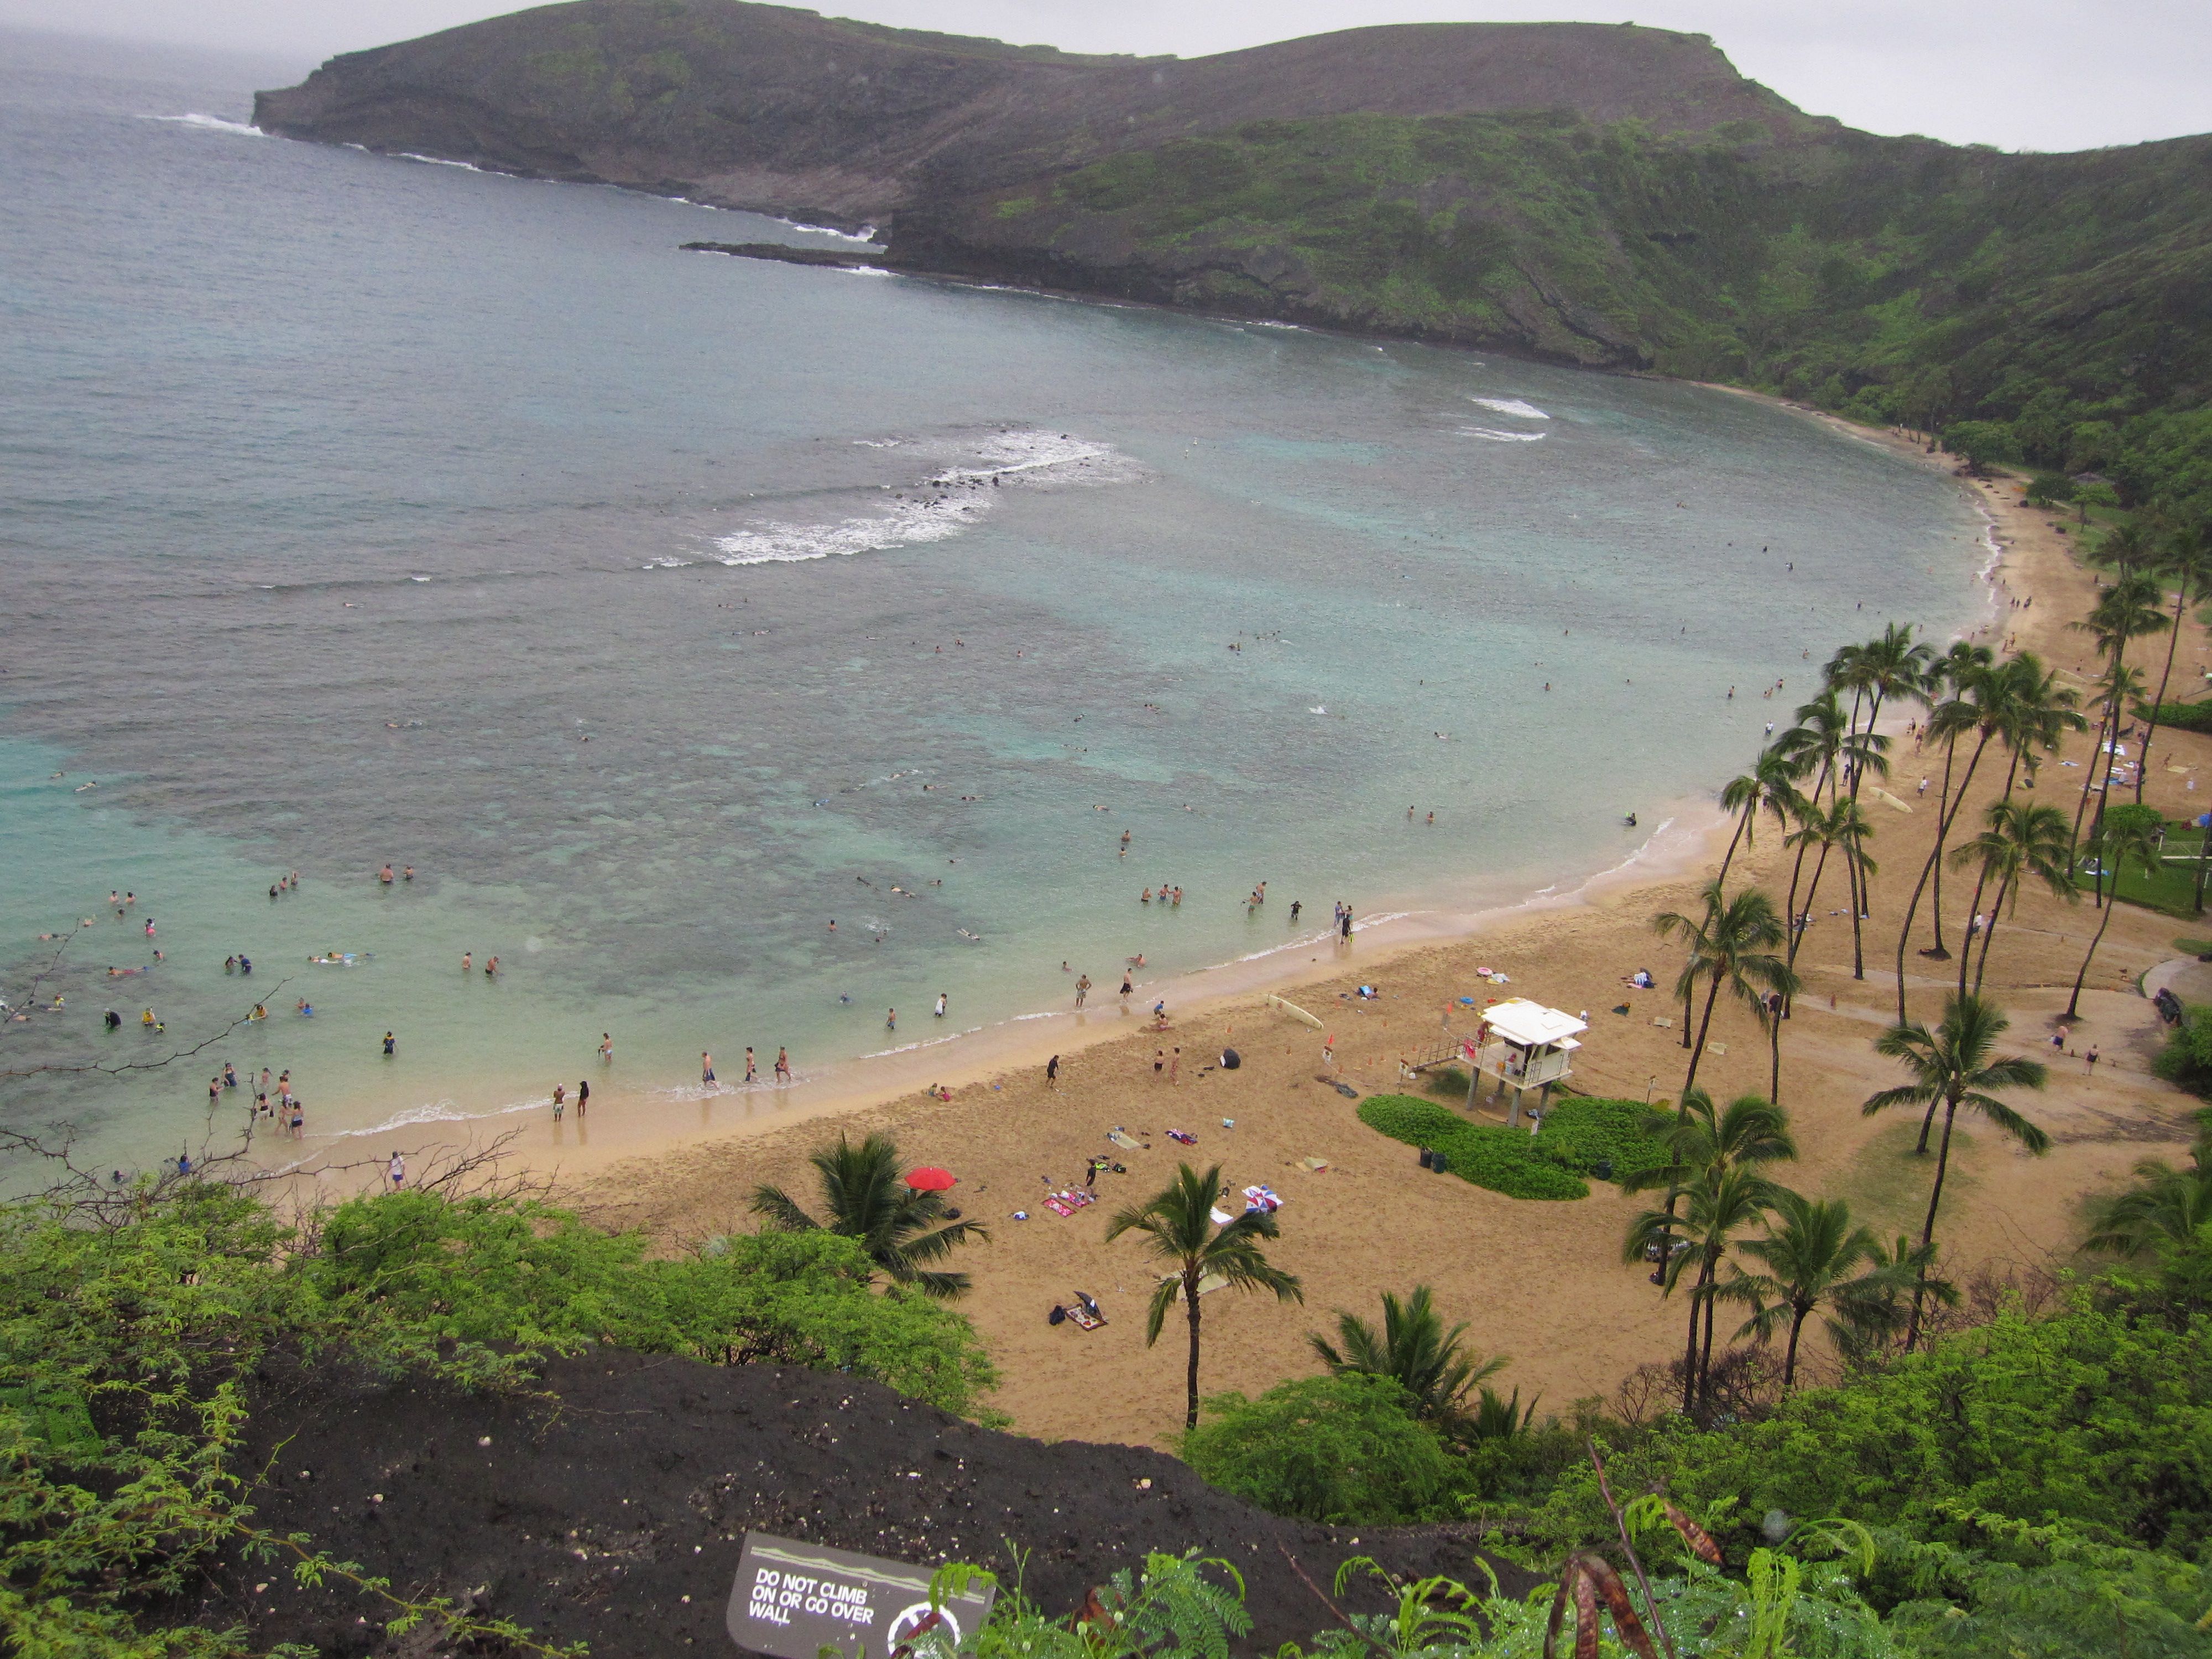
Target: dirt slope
(590,1516)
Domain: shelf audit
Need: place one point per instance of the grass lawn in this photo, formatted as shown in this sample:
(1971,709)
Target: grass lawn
(2170,886)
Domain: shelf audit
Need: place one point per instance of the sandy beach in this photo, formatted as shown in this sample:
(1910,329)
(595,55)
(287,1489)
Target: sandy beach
(1542,1283)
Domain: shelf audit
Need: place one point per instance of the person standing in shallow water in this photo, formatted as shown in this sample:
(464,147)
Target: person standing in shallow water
(583,1095)
(782,1065)
(752,1071)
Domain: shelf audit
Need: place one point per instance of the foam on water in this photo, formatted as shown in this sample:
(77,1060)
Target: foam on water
(1497,437)
(1512,406)
(950,500)
(212,123)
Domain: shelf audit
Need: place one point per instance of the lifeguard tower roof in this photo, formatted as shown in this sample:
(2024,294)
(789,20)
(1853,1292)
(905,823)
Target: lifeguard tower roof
(1531,1025)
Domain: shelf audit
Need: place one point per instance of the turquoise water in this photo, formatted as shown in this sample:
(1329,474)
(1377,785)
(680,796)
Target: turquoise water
(661,608)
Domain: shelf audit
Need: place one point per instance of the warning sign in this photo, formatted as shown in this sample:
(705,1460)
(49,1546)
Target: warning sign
(791,1600)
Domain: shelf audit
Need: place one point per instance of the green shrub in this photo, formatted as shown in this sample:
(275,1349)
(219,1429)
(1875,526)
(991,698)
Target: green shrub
(2187,716)
(2186,1060)
(1611,1139)
(1334,1448)
(1580,1137)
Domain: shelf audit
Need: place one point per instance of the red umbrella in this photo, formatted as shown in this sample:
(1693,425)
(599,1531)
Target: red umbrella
(929,1179)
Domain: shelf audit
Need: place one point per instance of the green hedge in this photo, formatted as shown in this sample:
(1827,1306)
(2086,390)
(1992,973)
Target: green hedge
(1578,1135)
(2187,716)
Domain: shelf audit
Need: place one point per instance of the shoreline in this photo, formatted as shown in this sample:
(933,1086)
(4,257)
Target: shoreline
(664,1114)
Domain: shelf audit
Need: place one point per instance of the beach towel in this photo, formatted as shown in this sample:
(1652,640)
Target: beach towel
(1663,1022)
(1220,1217)
(1187,1140)
(1083,1319)
(1059,1206)
(1346,1091)
(1314,1164)
(1716,1048)
(1130,1141)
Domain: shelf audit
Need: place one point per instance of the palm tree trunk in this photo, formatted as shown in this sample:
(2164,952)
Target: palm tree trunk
(1989,931)
(1967,949)
(1790,1358)
(1736,839)
(2150,731)
(2089,781)
(1928,1228)
(1943,817)
(1933,866)
(1705,1353)
(1774,1044)
(1190,1299)
(1690,1352)
(2203,863)
(1705,1025)
(2074,1002)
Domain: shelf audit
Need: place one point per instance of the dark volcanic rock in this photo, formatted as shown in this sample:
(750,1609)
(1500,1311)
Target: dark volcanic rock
(591,1514)
(786,254)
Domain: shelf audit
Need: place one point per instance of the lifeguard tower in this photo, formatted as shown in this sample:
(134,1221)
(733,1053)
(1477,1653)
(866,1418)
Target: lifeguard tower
(1523,1045)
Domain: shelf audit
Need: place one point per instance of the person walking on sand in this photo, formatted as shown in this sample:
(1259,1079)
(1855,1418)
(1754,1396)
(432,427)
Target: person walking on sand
(1175,1065)
(396,1172)
(1052,1072)
(1082,989)
(2092,1056)
(1159,1063)
(706,1067)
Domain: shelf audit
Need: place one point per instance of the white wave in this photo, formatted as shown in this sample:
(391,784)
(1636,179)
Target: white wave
(908,525)
(436,161)
(418,579)
(1498,437)
(1019,456)
(866,233)
(212,123)
(1269,322)
(1512,406)
(438,1111)
(670,562)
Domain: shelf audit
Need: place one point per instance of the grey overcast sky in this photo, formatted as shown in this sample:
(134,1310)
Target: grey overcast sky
(2020,74)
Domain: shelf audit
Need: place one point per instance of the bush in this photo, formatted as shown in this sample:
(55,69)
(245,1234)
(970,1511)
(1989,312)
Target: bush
(496,1271)
(2187,716)
(1611,1140)
(2186,1060)
(1333,1449)
(1504,1160)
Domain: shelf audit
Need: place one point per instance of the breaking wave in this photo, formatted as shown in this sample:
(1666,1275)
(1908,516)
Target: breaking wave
(1511,406)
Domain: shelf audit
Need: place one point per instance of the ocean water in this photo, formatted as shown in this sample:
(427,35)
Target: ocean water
(660,609)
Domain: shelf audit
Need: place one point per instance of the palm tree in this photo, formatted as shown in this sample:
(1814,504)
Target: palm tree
(1721,1203)
(1733,946)
(1769,786)
(1811,1255)
(1951,1067)
(1703,1138)
(1178,1228)
(1872,1310)
(1951,714)
(1843,827)
(866,1199)
(2130,608)
(2130,832)
(2120,690)
(2020,841)
(2187,562)
(1414,1350)
(2164,1206)
(1891,666)
(2019,702)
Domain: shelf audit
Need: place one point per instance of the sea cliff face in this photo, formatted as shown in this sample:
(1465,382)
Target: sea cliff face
(1600,195)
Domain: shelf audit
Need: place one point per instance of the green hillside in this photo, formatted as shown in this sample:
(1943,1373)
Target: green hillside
(1895,280)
